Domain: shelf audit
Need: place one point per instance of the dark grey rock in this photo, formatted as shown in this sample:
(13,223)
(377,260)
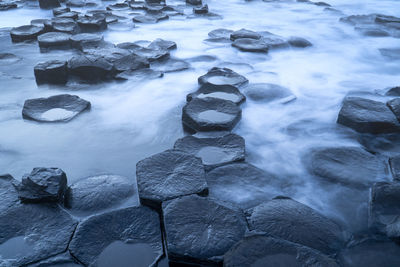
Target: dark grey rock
(242,184)
(56,40)
(251,45)
(138,226)
(243,33)
(221,76)
(273,41)
(170,65)
(53,72)
(60,10)
(201,10)
(90,68)
(43,185)
(200,230)
(224,92)
(288,219)
(162,44)
(98,193)
(40,22)
(63,260)
(65,25)
(118,6)
(194,2)
(26,32)
(48,4)
(351,166)
(150,18)
(169,174)
(299,42)
(85,40)
(58,108)
(267,251)
(386,19)
(210,114)
(7,6)
(391,53)
(367,116)
(69,15)
(395,91)
(39,230)
(394,106)
(384,209)
(152,54)
(371,252)
(372,31)
(214,151)
(220,33)
(139,75)
(394,163)
(93,23)
(268,92)
(359,19)
(130,63)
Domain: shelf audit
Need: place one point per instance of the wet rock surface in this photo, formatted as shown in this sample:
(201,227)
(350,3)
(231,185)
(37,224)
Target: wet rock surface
(222,76)
(43,185)
(90,68)
(263,250)
(58,40)
(224,92)
(351,166)
(290,220)
(367,116)
(268,92)
(47,232)
(251,45)
(52,72)
(85,40)
(98,193)
(168,175)
(58,108)
(242,184)
(214,151)
(210,114)
(133,225)
(26,32)
(200,230)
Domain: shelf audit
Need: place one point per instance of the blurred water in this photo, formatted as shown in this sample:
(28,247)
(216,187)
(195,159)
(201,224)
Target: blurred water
(132,120)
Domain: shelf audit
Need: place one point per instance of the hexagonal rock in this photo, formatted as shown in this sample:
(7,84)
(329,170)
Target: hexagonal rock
(150,18)
(162,44)
(39,230)
(214,151)
(84,40)
(384,209)
(267,251)
(370,252)
(98,193)
(43,185)
(58,108)
(251,45)
(210,114)
(243,33)
(351,166)
(53,72)
(65,25)
(134,227)
(268,92)
(26,32)
(242,184)
(93,23)
(199,230)
(170,65)
(60,10)
(130,63)
(59,40)
(224,92)
(7,6)
(90,68)
(48,4)
(169,174)
(293,221)
(367,116)
(222,76)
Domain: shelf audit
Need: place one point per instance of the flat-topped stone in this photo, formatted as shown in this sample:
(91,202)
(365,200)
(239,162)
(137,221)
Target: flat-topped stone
(224,92)
(243,33)
(26,32)
(52,72)
(222,76)
(251,45)
(90,68)
(268,92)
(56,40)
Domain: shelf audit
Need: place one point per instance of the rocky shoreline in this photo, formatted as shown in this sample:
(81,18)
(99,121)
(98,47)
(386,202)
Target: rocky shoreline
(185,209)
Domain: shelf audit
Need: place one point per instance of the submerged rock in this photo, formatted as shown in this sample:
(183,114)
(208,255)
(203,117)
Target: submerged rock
(220,35)
(200,230)
(242,184)
(268,92)
(350,166)
(299,42)
(251,45)
(58,108)
(384,209)
(367,116)
(26,32)
(58,40)
(136,227)
(170,65)
(371,252)
(243,33)
(98,193)
(293,221)
(169,174)
(45,231)
(210,114)
(139,75)
(267,251)
(8,58)
(214,151)
(222,76)
(53,72)
(43,185)
(90,68)
(224,92)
